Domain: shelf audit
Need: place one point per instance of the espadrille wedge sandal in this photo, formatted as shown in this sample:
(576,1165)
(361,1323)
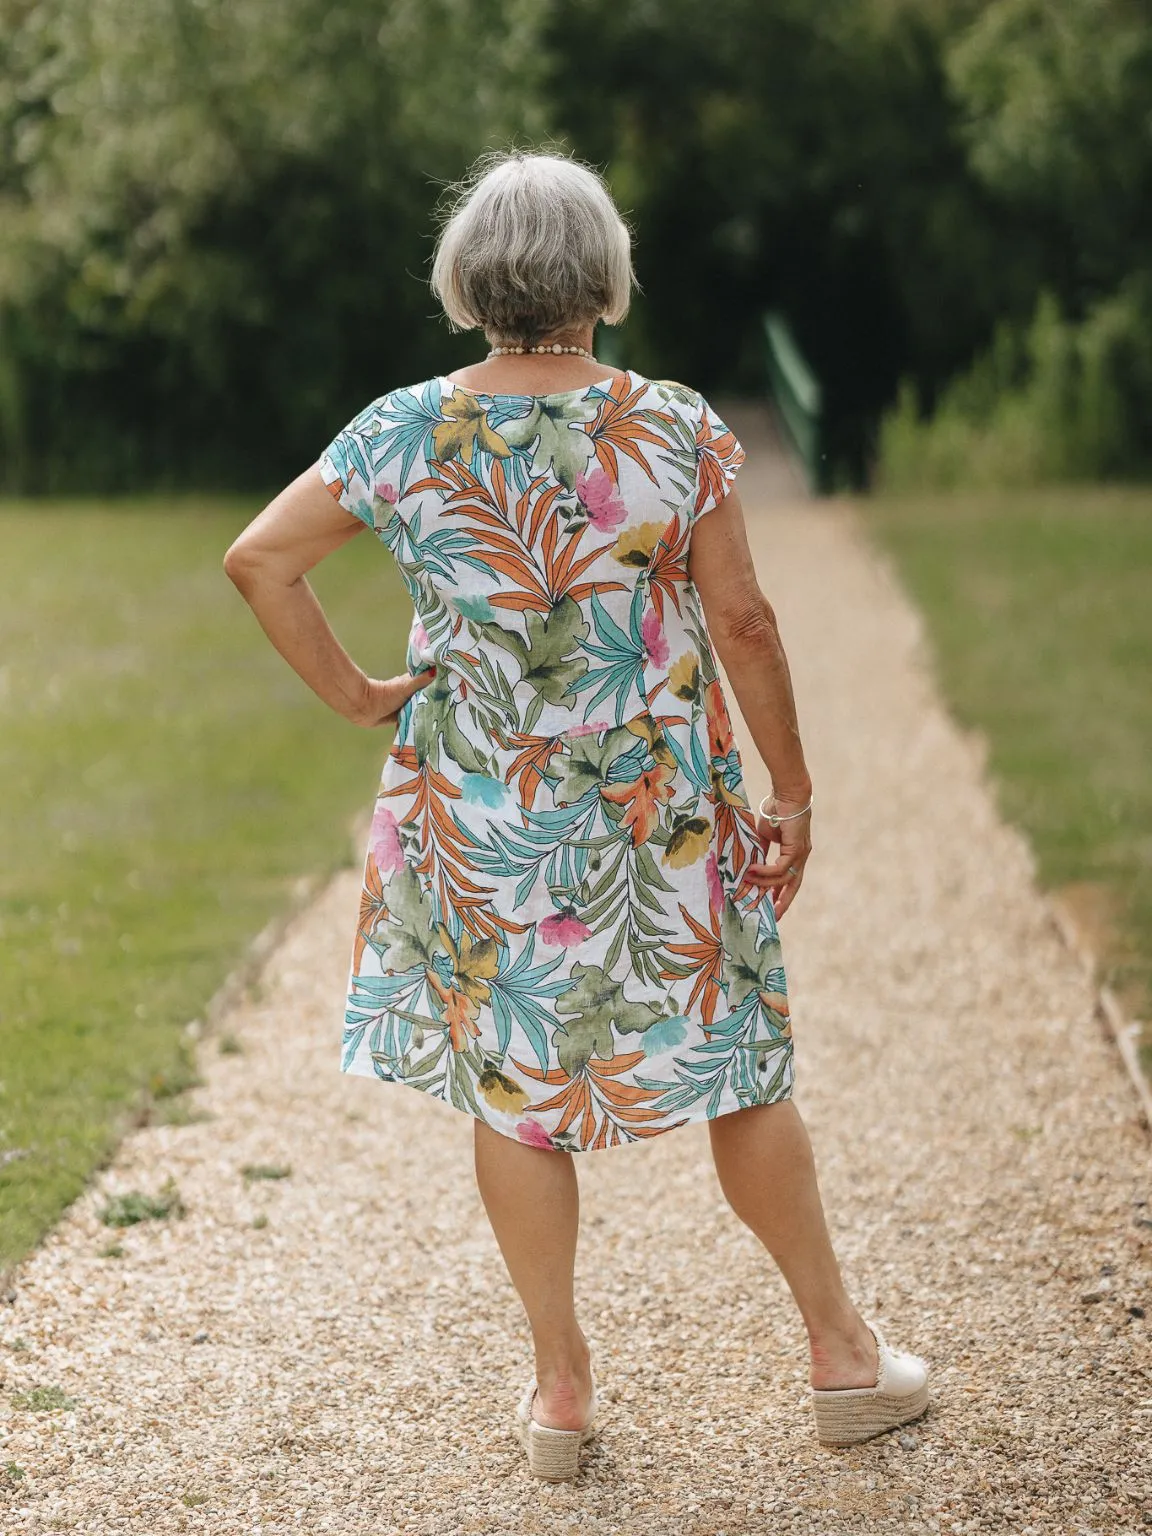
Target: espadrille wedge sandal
(552,1453)
(860,1413)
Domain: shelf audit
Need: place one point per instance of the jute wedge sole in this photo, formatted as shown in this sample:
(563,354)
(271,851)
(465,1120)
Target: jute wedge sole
(854,1414)
(552,1453)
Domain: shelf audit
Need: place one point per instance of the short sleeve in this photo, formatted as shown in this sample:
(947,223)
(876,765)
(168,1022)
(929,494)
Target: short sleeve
(718,457)
(348,463)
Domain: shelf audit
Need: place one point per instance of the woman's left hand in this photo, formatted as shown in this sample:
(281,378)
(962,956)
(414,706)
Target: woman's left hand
(385,698)
(795,839)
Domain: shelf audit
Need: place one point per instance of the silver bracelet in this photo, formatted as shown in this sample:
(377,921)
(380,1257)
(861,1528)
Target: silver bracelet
(774,821)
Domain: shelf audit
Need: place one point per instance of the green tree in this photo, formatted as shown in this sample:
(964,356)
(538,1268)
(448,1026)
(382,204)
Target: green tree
(216,218)
(1055,104)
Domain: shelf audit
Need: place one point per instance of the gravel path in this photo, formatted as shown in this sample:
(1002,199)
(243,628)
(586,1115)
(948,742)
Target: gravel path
(339,1350)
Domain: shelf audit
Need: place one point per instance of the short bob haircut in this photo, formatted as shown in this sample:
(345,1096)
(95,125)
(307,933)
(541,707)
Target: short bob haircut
(532,244)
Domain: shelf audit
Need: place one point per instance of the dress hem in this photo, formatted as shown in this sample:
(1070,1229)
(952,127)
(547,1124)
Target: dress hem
(505,1124)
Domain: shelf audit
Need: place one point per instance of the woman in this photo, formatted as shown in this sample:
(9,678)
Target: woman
(569,919)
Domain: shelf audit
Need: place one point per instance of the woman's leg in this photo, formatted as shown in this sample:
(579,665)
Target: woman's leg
(768,1174)
(533,1203)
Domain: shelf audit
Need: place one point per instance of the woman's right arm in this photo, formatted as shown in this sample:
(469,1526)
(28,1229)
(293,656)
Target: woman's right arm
(268,565)
(746,638)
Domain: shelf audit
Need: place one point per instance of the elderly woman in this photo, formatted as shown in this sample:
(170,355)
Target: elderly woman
(568,928)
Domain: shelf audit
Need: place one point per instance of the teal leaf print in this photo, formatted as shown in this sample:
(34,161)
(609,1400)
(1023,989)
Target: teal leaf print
(623,659)
(404,425)
(521,994)
(476,608)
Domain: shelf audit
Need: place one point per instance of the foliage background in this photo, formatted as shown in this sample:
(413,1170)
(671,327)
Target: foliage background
(215,219)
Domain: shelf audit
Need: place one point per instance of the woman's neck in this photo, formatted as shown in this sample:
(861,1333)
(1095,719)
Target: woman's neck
(537,373)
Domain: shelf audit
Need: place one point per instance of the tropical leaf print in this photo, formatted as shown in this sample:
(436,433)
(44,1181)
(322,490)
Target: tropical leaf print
(618,427)
(549,654)
(560,444)
(601,1013)
(465,427)
(557,930)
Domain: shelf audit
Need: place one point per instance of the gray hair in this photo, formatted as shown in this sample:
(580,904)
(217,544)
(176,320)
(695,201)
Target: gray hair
(532,244)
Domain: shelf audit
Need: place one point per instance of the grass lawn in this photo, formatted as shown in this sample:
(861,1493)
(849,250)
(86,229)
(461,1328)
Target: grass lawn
(165,778)
(1039,608)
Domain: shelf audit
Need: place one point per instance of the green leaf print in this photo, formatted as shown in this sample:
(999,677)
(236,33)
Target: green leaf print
(557,430)
(587,764)
(601,1007)
(435,719)
(411,938)
(550,662)
(746,968)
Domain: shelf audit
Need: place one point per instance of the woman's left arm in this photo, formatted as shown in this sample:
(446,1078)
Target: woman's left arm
(268,562)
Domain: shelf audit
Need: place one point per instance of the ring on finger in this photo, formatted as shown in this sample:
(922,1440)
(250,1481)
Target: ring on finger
(792,870)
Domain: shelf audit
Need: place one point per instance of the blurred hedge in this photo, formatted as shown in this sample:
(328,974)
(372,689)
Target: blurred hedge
(215,218)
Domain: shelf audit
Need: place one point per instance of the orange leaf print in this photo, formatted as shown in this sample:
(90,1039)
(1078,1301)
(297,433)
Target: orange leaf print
(529,765)
(668,572)
(713,450)
(460,1012)
(618,424)
(622,1105)
(720,737)
(372,907)
(707,957)
(643,797)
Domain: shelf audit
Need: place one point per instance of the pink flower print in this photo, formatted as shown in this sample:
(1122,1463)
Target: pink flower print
(563,928)
(715,889)
(385,840)
(387,492)
(533,1135)
(420,644)
(601,495)
(589,729)
(655,641)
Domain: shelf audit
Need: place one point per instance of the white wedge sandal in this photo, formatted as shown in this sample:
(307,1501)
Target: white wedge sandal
(847,1416)
(552,1453)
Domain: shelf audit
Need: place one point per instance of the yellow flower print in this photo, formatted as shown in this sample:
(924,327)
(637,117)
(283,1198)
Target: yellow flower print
(471,963)
(684,677)
(635,545)
(690,841)
(501,1092)
(467,426)
(649,729)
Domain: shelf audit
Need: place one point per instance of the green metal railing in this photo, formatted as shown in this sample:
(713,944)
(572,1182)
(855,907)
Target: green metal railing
(798,397)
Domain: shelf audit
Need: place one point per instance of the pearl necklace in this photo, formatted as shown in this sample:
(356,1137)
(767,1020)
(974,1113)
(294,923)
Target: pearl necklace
(553,347)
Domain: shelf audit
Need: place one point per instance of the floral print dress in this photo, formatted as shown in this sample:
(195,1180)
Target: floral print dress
(557,934)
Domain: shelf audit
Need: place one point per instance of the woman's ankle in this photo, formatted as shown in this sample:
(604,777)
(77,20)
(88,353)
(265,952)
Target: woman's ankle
(564,1359)
(838,1331)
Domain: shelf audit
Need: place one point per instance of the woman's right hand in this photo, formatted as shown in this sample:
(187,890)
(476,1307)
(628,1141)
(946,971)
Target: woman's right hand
(795,839)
